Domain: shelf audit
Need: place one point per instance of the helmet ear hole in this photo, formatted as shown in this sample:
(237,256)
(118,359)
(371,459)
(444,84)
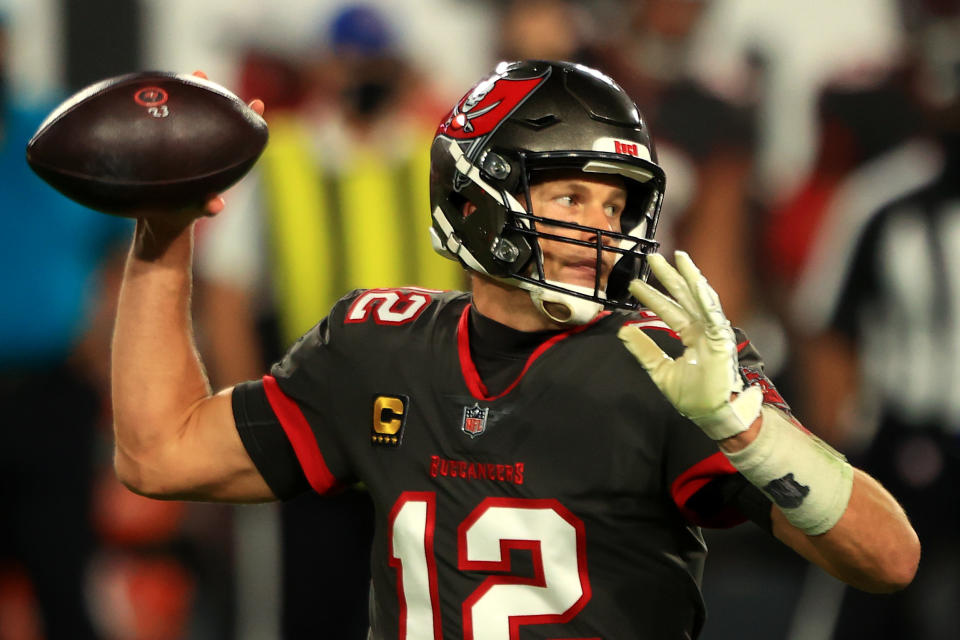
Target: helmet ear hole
(466,208)
(461,204)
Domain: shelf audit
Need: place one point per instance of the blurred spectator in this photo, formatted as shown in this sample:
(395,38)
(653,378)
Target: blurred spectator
(878,304)
(799,46)
(335,204)
(861,118)
(544,29)
(51,255)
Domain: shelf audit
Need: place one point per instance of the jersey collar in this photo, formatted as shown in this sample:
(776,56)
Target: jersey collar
(470,375)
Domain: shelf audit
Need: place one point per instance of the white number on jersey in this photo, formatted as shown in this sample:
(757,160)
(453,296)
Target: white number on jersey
(497,608)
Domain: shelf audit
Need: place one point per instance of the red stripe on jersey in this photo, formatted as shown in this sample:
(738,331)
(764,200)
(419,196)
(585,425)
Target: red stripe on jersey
(470,375)
(697,477)
(300,435)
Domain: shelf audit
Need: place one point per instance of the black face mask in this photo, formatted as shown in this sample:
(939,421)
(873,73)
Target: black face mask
(367,97)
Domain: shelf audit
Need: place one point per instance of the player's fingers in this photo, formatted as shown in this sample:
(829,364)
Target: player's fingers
(644,349)
(257,105)
(214,205)
(706,297)
(200,74)
(674,283)
(668,310)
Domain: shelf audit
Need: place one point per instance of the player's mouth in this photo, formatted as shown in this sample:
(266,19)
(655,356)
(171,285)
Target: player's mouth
(584,272)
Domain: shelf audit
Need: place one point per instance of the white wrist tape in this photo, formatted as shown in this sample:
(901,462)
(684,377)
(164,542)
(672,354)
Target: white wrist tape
(806,478)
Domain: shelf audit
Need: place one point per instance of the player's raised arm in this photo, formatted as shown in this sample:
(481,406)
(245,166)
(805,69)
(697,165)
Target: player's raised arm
(829,512)
(154,146)
(173,439)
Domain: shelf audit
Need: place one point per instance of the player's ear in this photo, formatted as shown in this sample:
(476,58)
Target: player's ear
(468,208)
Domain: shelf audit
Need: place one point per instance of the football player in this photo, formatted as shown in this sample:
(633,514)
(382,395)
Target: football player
(532,477)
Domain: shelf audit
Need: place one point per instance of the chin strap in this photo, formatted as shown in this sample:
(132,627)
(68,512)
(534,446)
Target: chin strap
(561,307)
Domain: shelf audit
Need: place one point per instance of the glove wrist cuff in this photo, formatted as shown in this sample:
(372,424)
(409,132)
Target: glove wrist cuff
(732,417)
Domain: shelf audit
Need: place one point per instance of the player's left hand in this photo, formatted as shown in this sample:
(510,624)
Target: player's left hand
(704,383)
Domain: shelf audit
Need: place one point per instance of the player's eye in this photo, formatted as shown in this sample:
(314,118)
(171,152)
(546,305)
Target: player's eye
(566,200)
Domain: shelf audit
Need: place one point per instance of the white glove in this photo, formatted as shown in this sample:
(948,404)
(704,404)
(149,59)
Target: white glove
(704,384)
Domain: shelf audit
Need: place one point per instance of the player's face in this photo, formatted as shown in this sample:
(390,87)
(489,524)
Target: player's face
(590,200)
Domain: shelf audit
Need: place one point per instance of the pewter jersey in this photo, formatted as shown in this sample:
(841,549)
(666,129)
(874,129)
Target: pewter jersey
(564,505)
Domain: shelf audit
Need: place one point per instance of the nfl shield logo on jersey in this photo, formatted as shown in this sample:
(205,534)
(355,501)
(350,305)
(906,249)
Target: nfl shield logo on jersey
(474,420)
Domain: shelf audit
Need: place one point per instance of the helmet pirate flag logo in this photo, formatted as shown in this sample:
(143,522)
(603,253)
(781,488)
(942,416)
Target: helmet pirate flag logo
(486,106)
(481,111)
(474,420)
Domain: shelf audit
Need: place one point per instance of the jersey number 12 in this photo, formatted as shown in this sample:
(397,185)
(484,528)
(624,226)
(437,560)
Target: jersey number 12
(497,608)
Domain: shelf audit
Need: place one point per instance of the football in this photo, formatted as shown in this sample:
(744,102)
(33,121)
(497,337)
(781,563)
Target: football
(147,141)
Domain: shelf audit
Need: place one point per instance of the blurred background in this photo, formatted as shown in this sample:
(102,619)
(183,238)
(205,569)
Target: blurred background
(812,171)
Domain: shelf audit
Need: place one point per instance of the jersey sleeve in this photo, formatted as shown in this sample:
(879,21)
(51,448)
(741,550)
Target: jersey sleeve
(266,442)
(301,399)
(705,486)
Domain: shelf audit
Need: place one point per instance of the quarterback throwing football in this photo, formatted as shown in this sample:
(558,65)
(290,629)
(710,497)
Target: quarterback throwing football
(542,450)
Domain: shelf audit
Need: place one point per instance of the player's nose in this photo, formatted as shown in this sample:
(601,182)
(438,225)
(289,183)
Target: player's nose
(596,217)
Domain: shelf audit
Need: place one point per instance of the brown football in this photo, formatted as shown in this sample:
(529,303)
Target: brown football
(147,141)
